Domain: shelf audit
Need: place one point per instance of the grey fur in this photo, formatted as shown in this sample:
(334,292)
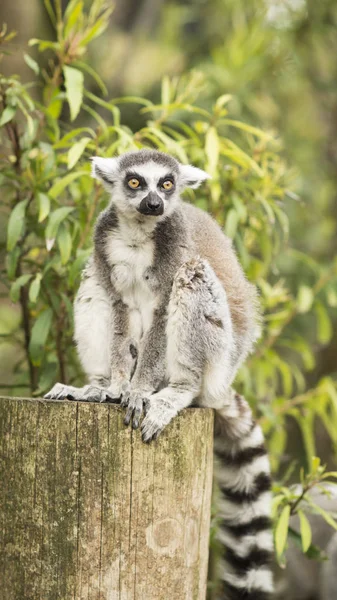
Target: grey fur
(129,160)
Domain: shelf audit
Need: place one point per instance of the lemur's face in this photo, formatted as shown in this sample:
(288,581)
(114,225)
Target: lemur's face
(146,182)
(150,188)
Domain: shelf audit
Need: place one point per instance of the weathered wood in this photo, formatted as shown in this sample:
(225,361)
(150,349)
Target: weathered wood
(90,512)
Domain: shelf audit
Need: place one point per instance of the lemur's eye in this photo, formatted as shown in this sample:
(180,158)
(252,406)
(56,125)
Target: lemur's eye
(168,184)
(133,183)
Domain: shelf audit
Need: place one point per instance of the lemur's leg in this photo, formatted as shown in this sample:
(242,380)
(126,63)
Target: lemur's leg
(243,475)
(200,347)
(104,351)
(199,342)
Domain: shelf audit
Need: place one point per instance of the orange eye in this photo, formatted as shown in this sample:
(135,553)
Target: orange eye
(168,184)
(133,183)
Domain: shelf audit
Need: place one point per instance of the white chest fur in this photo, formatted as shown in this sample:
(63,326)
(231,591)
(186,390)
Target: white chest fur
(130,253)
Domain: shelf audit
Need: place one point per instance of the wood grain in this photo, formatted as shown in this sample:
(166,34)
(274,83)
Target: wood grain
(89,512)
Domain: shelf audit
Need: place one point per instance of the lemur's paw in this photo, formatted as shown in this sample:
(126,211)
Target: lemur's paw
(90,393)
(158,413)
(119,392)
(134,405)
(60,391)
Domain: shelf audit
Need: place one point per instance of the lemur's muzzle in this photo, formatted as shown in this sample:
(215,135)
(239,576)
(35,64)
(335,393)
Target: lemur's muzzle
(151,205)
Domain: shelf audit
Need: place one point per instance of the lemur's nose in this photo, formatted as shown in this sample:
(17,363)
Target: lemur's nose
(153,201)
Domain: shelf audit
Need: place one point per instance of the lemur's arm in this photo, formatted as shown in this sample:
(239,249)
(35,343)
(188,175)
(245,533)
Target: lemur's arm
(150,370)
(122,352)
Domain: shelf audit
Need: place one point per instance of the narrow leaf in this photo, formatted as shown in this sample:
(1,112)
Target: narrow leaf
(232,221)
(324,327)
(39,336)
(281,532)
(7,115)
(44,206)
(212,149)
(34,289)
(76,151)
(305,298)
(15,224)
(64,243)
(62,183)
(55,220)
(305,531)
(32,63)
(73,81)
(17,285)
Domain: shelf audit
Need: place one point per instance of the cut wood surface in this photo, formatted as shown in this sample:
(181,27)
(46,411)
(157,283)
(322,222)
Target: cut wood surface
(88,511)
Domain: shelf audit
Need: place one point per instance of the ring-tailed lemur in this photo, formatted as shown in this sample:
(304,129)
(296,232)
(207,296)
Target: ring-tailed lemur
(164,317)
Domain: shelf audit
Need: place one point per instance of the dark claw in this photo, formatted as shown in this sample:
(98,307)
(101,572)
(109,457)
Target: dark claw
(70,397)
(128,417)
(135,423)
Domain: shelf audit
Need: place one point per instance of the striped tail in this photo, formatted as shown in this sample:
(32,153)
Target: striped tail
(243,475)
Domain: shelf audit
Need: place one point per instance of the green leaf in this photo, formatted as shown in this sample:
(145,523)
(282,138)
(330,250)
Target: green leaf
(16,224)
(281,532)
(73,16)
(305,299)
(76,151)
(165,90)
(31,63)
(324,327)
(221,101)
(313,552)
(17,285)
(7,115)
(55,220)
(44,206)
(34,289)
(12,262)
(212,149)
(305,531)
(39,336)
(62,183)
(232,221)
(73,81)
(97,29)
(64,243)
(328,518)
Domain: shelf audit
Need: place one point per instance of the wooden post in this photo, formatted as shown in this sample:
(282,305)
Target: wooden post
(88,511)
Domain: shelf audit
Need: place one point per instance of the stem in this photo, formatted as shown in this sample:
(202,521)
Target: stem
(59,315)
(33,372)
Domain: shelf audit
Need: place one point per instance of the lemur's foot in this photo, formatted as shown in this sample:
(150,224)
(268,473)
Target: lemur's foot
(134,403)
(60,391)
(158,414)
(88,393)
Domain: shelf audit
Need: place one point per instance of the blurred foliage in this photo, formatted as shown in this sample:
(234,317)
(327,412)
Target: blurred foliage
(50,202)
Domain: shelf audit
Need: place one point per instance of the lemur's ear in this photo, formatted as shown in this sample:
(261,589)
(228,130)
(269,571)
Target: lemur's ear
(104,169)
(192,176)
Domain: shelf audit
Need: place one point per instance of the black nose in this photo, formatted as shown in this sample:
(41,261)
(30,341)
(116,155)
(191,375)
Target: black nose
(153,204)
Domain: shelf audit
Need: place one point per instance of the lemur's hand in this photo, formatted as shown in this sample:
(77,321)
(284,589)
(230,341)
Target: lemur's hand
(134,404)
(159,411)
(118,390)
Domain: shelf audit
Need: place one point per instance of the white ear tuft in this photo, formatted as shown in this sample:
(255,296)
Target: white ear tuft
(192,176)
(104,169)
